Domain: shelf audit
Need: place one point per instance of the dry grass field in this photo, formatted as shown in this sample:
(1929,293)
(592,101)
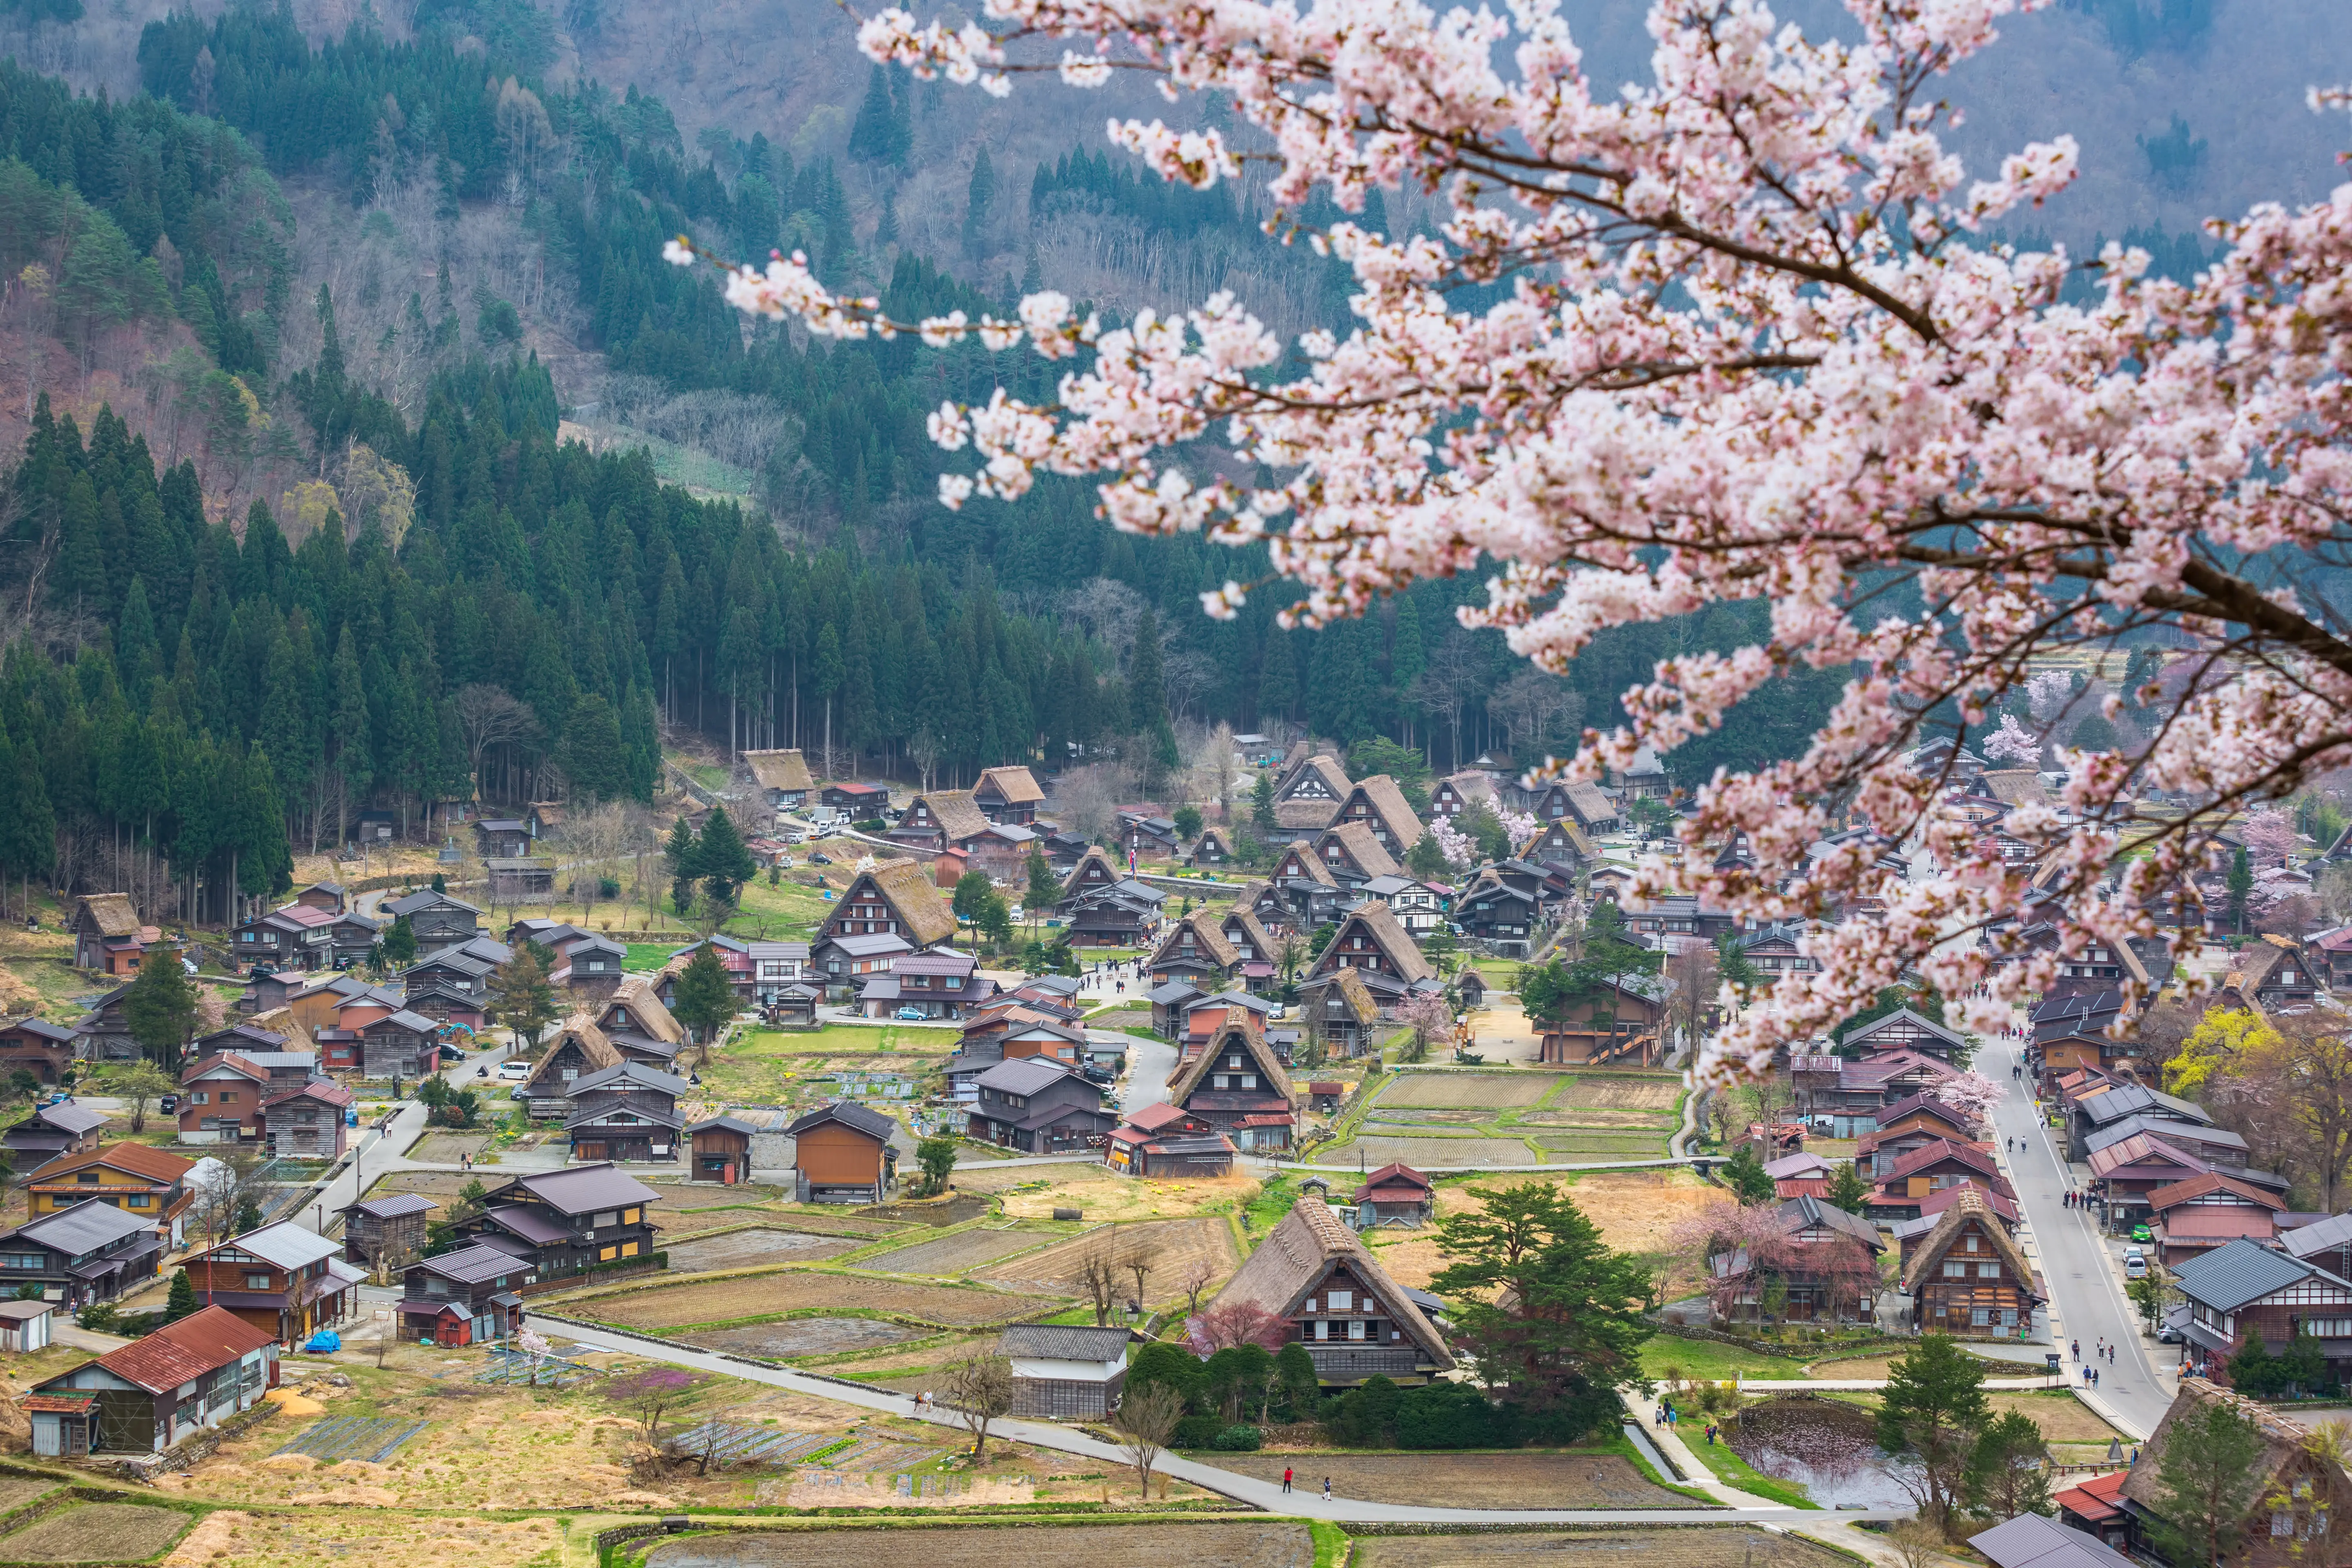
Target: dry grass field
(749,1248)
(1620,1093)
(724,1300)
(1499,1479)
(1102,1197)
(1177,1248)
(1634,1210)
(1267,1543)
(95,1533)
(1750,1548)
(1459,1090)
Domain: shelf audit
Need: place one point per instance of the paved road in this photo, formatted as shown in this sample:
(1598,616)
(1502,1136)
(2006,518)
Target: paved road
(2086,1295)
(381,1147)
(1267,1495)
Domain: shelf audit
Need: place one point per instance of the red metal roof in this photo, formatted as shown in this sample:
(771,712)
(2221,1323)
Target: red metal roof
(60,1403)
(181,1351)
(2097,1499)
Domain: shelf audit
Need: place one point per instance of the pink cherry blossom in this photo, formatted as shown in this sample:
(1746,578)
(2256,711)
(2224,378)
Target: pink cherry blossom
(1750,349)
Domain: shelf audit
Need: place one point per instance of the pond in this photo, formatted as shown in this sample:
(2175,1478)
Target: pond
(1828,1447)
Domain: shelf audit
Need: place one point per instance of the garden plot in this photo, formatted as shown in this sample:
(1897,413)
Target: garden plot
(95,1533)
(1457,1091)
(725,1301)
(15,1493)
(1587,1144)
(1425,1152)
(1222,1544)
(341,1437)
(958,1254)
(1555,1549)
(796,1337)
(1177,1248)
(1103,1197)
(746,1248)
(1619,1093)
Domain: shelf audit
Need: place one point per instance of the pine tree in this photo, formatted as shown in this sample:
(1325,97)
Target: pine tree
(682,853)
(354,763)
(980,201)
(706,999)
(593,756)
(180,1301)
(721,859)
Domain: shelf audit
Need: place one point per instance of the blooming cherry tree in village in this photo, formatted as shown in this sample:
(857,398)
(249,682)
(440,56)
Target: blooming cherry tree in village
(1755,348)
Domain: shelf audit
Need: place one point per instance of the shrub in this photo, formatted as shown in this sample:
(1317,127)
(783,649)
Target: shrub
(1454,1416)
(1197,1431)
(871,824)
(1239,1439)
(1174,1365)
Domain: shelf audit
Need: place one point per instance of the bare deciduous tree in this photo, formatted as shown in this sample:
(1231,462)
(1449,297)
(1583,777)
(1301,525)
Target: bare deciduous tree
(1098,1282)
(1195,1282)
(1139,1260)
(1147,1419)
(488,717)
(979,1390)
(1088,798)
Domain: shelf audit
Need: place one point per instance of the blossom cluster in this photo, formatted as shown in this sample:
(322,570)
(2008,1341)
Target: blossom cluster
(1750,349)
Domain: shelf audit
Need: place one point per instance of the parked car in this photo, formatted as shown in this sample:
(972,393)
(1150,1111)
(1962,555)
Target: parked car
(2141,1233)
(2134,1264)
(167,1103)
(911,1015)
(2168,1335)
(514,1071)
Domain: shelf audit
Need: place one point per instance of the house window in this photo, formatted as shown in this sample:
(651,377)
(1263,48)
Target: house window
(608,1255)
(139,1200)
(256,1281)
(1340,1301)
(1956,1270)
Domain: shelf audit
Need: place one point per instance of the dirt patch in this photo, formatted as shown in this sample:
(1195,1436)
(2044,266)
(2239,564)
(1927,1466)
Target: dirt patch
(96,1531)
(803,1336)
(1588,1090)
(1206,1545)
(1178,1246)
(1650,1548)
(1101,1196)
(955,1211)
(1501,1479)
(15,1494)
(744,1248)
(448,1148)
(1582,1143)
(721,1300)
(958,1254)
(1633,1209)
(1452,1091)
(306,1538)
(2067,1420)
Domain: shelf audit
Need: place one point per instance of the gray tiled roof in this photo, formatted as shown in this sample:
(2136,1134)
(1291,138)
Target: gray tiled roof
(1062,1341)
(849,1113)
(85,1228)
(2031,1541)
(2227,1278)
(585,1188)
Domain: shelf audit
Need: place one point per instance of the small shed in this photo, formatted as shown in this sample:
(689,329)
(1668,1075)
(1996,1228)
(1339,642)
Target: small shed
(1324,1095)
(1395,1194)
(1064,1371)
(722,1149)
(1471,987)
(389,1229)
(842,1155)
(25,1326)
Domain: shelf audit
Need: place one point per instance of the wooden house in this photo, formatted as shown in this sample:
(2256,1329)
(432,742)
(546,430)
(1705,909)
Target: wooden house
(37,1046)
(1397,1196)
(468,1296)
(592,967)
(103,1034)
(519,878)
(1332,1295)
(1905,1127)
(1341,1010)
(1800,1175)
(1237,1086)
(721,1150)
(331,896)
(108,934)
(2298,1496)
(2325,1242)
(1211,850)
(637,1026)
(1559,844)
(144,1182)
(1095,874)
(940,984)
(2193,1217)
(1273,910)
(1624,1023)
(1348,851)
(92,1251)
(546,818)
(306,1120)
(502,839)
(579,1048)
(2217,1146)
(374,826)
(782,777)
(893,898)
(1307,798)
(863,802)
(452,986)
(1147,836)
(1504,917)
(1310,894)
(286,1281)
(1817,1264)
(388,1230)
(403,1045)
(1162,1141)
(2099,1103)
(842,1153)
(1941,1164)
(1256,949)
(1851,1096)
(351,940)
(778,967)
(1378,805)
(1371,941)
(1970,1278)
(939,819)
(1458,793)
(1127,915)
(627,1111)
(567,1221)
(1909,1234)
(48,1131)
(2127,1174)
(294,937)
(1777,949)
(185,1378)
(2241,1290)
(1585,804)
(1063,1372)
(1195,949)
(2093,1509)
(25,1326)
(1008,796)
(840,965)
(1038,1106)
(438,919)
(1904,1031)
(1644,778)
(221,1102)
(2069,1034)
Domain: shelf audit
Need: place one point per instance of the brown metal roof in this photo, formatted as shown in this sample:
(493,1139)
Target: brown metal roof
(182,1351)
(139,1160)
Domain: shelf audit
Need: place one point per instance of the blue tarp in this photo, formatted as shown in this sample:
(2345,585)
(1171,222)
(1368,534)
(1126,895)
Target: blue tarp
(323,1342)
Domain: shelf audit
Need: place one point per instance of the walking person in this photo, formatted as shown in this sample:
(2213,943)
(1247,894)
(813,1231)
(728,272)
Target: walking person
(1327,1488)
(1286,1480)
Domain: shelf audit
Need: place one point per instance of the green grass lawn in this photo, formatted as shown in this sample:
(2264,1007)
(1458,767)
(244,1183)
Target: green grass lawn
(786,912)
(1734,1471)
(843,1039)
(645,957)
(1707,1362)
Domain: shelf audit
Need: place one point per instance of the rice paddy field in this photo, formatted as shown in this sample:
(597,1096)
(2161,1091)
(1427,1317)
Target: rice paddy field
(1501,1120)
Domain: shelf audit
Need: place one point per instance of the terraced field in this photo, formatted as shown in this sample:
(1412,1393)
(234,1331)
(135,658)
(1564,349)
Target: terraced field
(1469,1089)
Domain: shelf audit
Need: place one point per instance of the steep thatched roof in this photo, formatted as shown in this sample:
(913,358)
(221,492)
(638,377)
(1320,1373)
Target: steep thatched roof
(594,1049)
(1243,917)
(2284,1447)
(647,1016)
(1321,767)
(1378,924)
(1208,941)
(1356,841)
(1305,816)
(954,810)
(1388,802)
(1017,786)
(1077,882)
(922,913)
(1970,1206)
(110,914)
(1301,1250)
(1239,1032)
(780,770)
